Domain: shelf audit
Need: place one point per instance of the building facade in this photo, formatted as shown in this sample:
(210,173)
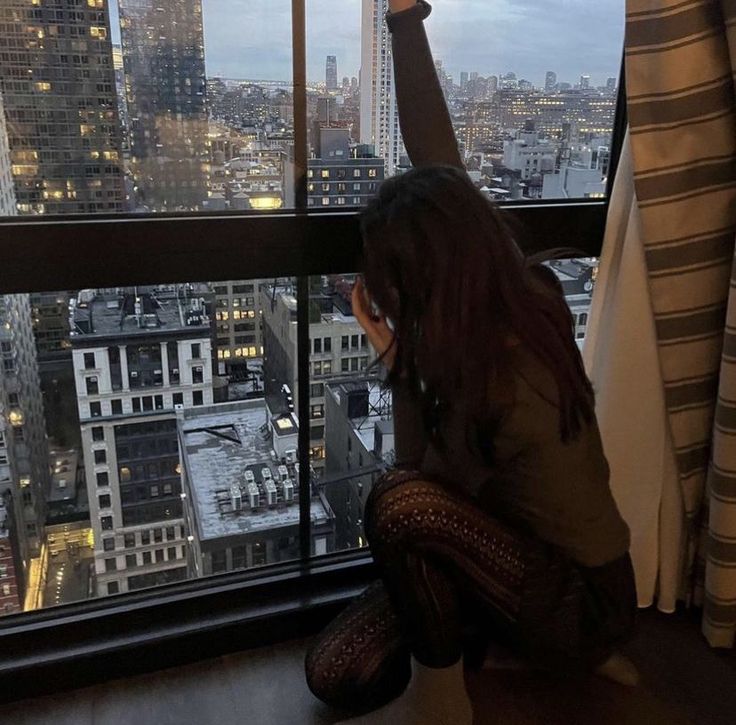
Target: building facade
(165,89)
(379,117)
(338,348)
(339,176)
(331,73)
(61,85)
(359,444)
(238,326)
(137,354)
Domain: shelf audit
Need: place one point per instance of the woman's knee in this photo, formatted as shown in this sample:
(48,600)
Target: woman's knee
(399,505)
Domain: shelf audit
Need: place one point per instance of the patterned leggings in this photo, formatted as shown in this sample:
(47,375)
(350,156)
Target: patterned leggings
(447,564)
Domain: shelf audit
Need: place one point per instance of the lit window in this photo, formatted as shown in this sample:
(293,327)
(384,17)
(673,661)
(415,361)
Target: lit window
(42,86)
(325,173)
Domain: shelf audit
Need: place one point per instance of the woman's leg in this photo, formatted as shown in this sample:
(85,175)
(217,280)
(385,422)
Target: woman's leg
(361,660)
(434,545)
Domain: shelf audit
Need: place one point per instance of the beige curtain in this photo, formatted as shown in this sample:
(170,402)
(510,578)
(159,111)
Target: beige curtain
(679,231)
(621,358)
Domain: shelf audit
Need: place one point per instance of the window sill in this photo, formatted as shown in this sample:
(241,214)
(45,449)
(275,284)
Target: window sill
(79,645)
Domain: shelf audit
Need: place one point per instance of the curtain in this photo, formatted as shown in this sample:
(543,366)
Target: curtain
(680,63)
(620,354)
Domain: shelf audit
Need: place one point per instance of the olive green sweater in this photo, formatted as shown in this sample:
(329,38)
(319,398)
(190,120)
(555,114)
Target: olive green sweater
(556,491)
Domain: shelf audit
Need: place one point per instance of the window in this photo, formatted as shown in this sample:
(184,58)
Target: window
(197,375)
(245,373)
(131,560)
(159,555)
(318,345)
(196,351)
(129,541)
(157,535)
(101,456)
(170,533)
(113,587)
(95,410)
(92,387)
(111,565)
(108,544)
(98,433)
(146,557)
(145,538)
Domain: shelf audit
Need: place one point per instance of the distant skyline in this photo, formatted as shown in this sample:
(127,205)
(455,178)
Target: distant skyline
(252,38)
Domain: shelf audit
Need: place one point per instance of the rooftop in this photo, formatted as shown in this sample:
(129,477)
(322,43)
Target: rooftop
(219,443)
(139,311)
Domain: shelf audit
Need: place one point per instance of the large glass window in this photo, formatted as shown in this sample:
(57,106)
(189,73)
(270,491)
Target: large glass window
(157,116)
(531,91)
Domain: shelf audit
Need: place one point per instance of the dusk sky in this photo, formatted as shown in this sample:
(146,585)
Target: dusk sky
(252,38)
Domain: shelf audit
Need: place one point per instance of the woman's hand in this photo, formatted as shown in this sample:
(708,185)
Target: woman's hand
(379,334)
(396,6)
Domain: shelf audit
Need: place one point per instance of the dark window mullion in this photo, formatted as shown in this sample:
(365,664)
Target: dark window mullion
(299,61)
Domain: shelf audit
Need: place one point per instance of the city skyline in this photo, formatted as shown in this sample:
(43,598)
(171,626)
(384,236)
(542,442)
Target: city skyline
(542,41)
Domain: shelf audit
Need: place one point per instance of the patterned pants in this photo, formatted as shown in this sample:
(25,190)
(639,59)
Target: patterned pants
(447,566)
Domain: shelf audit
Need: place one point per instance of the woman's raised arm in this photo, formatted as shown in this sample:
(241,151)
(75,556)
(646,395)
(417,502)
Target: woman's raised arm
(423,115)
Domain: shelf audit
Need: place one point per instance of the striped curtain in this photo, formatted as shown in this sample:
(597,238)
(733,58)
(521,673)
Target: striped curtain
(680,70)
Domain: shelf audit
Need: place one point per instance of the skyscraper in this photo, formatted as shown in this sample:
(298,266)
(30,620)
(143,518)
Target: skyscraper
(166,98)
(463,79)
(611,85)
(23,445)
(60,104)
(379,118)
(550,80)
(331,73)
(584,82)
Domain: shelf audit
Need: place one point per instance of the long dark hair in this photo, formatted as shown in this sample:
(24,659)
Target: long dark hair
(442,264)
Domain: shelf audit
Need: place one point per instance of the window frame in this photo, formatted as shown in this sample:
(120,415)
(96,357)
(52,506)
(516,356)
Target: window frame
(77,644)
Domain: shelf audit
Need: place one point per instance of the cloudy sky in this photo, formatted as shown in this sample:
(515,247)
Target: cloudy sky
(252,38)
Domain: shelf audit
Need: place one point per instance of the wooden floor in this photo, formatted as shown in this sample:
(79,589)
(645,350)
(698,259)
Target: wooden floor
(684,682)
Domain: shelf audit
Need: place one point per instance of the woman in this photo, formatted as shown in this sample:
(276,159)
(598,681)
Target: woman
(499,514)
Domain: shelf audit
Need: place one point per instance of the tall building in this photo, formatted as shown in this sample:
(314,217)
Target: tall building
(463,79)
(166,102)
(550,80)
(611,85)
(137,354)
(331,73)
(241,483)
(61,107)
(11,579)
(379,118)
(584,83)
(24,472)
(7,192)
